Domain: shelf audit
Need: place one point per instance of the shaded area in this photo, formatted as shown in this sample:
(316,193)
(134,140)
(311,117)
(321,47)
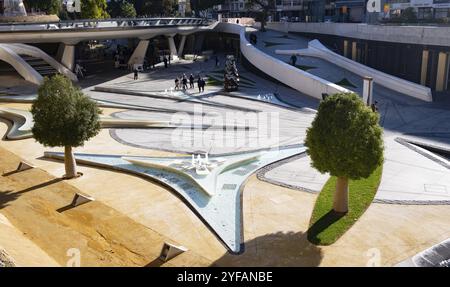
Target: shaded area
(270,44)
(322,224)
(10,195)
(345,82)
(275,249)
(434,149)
(327,226)
(285,37)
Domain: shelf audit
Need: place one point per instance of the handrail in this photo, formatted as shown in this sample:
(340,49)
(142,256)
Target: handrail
(94,23)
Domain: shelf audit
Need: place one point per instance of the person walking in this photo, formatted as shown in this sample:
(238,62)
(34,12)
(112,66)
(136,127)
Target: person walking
(293,60)
(165,62)
(374,107)
(79,71)
(217,61)
(191,81)
(177,83)
(136,73)
(202,85)
(184,82)
(199,84)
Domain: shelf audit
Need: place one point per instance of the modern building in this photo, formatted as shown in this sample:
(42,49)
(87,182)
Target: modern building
(302,10)
(10,8)
(424,9)
(232,8)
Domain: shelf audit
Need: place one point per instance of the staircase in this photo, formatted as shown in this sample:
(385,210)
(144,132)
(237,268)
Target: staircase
(40,66)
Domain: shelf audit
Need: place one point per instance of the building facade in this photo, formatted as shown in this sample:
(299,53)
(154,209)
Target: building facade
(302,10)
(11,8)
(424,9)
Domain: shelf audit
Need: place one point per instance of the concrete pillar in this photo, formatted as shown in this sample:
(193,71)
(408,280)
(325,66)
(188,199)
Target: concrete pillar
(367,90)
(139,53)
(442,72)
(354,51)
(181,46)
(172,47)
(424,67)
(68,56)
(345,48)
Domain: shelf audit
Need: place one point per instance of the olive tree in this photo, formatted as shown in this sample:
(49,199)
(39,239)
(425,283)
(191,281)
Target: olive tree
(64,116)
(345,140)
(262,9)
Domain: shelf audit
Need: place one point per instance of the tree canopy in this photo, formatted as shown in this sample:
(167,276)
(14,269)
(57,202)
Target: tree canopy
(345,138)
(47,6)
(94,9)
(261,8)
(121,9)
(155,7)
(63,115)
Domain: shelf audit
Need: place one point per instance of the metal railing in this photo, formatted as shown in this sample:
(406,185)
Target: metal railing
(103,23)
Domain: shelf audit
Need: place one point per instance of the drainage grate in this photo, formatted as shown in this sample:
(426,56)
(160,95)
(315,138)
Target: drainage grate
(229,186)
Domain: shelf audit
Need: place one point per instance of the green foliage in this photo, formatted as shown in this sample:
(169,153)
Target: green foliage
(47,6)
(155,7)
(261,8)
(204,4)
(93,9)
(121,9)
(327,226)
(409,15)
(63,115)
(345,138)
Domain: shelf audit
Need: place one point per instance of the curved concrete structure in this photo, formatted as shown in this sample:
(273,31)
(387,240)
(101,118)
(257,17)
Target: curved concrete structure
(295,78)
(408,34)
(316,49)
(11,53)
(21,123)
(221,211)
(35,52)
(205,182)
(72,32)
(8,55)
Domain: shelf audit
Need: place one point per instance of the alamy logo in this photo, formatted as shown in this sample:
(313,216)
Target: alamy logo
(373,6)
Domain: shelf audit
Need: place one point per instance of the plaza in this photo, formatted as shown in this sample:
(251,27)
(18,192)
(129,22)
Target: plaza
(223,174)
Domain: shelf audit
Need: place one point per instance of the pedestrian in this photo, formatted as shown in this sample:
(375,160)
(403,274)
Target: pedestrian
(165,62)
(177,83)
(136,73)
(199,84)
(184,82)
(191,81)
(293,59)
(202,84)
(217,61)
(169,58)
(374,107)
(79,71)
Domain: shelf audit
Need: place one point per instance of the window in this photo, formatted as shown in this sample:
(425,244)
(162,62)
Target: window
(424,13)
(441,12)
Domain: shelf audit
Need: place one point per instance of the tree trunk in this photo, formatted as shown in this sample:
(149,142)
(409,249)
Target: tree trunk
(69,163)
(340,203)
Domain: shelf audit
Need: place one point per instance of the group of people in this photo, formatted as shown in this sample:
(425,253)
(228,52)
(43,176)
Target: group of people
(182,83)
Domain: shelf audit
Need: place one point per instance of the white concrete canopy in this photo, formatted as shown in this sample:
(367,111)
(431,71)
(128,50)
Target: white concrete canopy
(316,49)
(11,53)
